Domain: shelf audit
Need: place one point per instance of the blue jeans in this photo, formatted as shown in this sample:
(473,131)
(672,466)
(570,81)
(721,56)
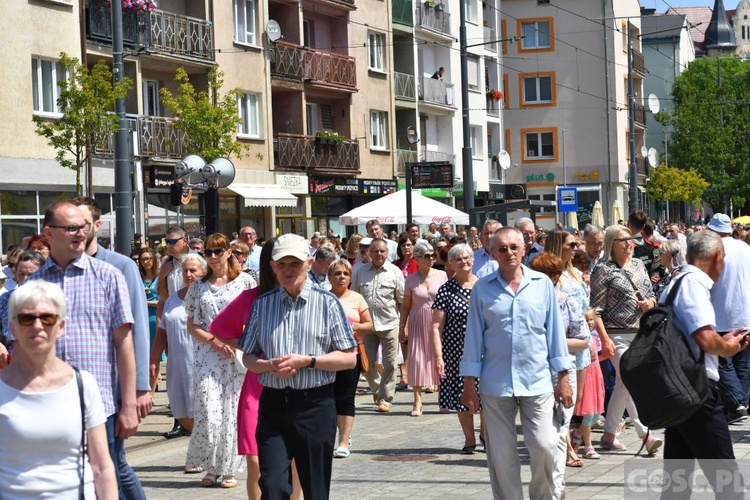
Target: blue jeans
(127,482)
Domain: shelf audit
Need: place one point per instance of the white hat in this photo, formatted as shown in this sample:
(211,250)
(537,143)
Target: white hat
(291,245)
(365,242)
(720,223)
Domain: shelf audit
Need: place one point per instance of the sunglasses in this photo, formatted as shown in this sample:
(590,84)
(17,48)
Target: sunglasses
(506,248)
(172,241)
(572,246)
(214,251)
(428,256)
(29,319)
(238,252)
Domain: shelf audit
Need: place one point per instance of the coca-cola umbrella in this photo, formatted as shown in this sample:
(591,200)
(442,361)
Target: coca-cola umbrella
(391,209)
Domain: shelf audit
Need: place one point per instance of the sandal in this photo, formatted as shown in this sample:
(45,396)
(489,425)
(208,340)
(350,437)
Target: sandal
(209,480)
(341,452)
(193,470)
(468,450)
(590,453)
(415,412)
(573,460)
(228,482)
(402,386)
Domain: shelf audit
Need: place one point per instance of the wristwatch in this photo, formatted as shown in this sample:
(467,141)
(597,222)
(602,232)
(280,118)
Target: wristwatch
(312,362)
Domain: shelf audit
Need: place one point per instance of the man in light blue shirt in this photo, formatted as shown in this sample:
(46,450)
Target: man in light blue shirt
(484,263)
(249,237)
(514,337)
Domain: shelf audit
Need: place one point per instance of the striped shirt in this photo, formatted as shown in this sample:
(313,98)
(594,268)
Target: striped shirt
(312,324)
(98,303)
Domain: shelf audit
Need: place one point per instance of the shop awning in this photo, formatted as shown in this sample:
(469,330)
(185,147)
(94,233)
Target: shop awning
(264,195)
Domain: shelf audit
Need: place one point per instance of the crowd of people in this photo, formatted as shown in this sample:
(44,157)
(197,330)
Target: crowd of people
(266,344)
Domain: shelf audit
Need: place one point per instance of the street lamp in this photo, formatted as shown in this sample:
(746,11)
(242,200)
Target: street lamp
(210,176)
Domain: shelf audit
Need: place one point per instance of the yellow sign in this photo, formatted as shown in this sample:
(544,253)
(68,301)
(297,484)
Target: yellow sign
(587,176)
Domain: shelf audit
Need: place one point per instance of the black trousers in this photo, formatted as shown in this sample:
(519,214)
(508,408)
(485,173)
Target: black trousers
(345,389)
(299,424)
(703,437)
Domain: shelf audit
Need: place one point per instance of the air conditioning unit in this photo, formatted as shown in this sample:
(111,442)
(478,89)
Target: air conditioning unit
(515,192)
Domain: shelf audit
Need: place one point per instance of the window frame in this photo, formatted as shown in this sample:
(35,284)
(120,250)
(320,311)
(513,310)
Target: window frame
(536,48)
(245,113)
(539,133)
(379,47)
(524,103)
(38,90)
(476,86)
(381,117)
(242,39)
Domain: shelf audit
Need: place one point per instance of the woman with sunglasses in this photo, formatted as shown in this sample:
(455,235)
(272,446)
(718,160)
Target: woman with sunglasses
(621,290)
(148,266)
(27,264)
(672,258)
(420,290)
(213,443)
(42,451)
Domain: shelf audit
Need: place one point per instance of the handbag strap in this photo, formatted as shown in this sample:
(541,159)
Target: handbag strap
(635,288)
(79,382)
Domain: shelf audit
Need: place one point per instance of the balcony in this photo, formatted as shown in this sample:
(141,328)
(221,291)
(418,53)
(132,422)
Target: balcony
(405,86)
(639,63)
(314,66)
(639,114)
(403,13)
(490,36)
(404,156)
(434,18)
(158,31)
(154,137)
(433,91)
(493,108)
(301,151)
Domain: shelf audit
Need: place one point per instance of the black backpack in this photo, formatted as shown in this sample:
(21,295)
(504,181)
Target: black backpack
(665,381)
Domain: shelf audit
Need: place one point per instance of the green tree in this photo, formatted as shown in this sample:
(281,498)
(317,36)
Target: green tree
(711,127)
(675,184)
(209,121)
(87,98)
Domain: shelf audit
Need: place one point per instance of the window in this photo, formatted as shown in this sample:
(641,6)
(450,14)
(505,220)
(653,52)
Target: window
(537,34)
(539,144)
(378,137)
(476,141)
(472,14)
(244,22)
(248,107)
(538,89)
(473,66)
(503,35)
(375,57)
(46,76)
(151,98)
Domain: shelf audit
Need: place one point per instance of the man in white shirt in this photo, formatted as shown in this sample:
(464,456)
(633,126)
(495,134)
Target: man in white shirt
(375,231)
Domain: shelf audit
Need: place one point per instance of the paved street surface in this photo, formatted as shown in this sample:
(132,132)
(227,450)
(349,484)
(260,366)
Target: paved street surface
(393,456)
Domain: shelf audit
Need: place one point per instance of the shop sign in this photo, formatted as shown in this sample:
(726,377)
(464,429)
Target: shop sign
(458,189)
(158,176)
(377,187)
(548,177)
(326,186)
(586,176)
(295,184)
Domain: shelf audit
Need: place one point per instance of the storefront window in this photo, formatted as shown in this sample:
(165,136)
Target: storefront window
(15,230)
(47,198)
(18,203)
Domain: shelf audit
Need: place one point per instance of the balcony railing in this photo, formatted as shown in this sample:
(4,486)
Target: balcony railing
(640,164)
(639,114)
(639,63)
(404,156)
(493,107)
(301,63)
(433,18)
(301,151)
(403,12)
(151,136)
(436,92)
(490,36)
(405,86)
(159,31)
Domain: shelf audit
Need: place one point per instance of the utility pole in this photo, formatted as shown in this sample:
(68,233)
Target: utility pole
(123,167)
(632,168)
(468,167)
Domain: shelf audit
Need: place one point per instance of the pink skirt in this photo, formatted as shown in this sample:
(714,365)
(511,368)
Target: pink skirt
(247,415)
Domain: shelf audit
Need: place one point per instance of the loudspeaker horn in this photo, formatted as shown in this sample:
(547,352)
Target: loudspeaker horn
(189,167)
(219,173)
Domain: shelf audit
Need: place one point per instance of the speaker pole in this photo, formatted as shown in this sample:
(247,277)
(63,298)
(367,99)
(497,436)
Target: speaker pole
(211,201)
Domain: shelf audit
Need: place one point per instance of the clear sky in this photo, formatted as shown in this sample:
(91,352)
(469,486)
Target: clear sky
(662,6)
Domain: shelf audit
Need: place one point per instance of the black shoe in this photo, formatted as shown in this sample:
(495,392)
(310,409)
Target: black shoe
(737,416)
(177,431)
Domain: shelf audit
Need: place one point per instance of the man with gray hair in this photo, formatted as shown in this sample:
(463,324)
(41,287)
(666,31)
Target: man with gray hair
(318,273)
(730,297)
(484,263)
(527,228)
(593,236)
(705,434)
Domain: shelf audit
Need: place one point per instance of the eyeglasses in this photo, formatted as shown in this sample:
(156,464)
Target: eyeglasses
(623,240)
(172,241)
(238,252)
(246,235)
(29,319)
(429,256)
(572,246)
(73,229)
(214,251)
(508,248)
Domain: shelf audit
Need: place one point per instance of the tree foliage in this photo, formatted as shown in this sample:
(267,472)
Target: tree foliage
(711,127)
(87,98)
(675,184)
(208,120)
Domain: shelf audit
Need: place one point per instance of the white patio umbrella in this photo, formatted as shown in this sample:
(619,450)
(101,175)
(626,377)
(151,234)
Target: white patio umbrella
(572,220)
(597,215)
(616,212)
(391,209)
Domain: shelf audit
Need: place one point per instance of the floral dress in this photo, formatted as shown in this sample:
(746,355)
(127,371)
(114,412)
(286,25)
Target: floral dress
(213,443)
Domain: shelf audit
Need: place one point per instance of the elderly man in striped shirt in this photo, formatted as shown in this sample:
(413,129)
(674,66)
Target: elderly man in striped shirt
(297,337)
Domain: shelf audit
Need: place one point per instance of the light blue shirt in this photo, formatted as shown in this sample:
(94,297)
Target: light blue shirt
(691,310)
(514,339)
(253,259)
(484,263)
(730,295)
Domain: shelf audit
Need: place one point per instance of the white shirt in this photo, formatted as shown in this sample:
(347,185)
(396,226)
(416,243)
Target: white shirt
(41,438)
(730,295)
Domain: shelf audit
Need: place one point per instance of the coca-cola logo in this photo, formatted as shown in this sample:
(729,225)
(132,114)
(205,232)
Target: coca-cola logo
(442,220)
(387,220)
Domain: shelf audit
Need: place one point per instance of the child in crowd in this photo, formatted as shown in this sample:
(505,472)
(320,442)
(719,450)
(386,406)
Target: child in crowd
(591,404)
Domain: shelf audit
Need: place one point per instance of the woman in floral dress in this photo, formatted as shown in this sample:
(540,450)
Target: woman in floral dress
(218,381)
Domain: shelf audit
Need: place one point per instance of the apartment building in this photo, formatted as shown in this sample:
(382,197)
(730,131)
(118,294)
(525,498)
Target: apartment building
(566,113)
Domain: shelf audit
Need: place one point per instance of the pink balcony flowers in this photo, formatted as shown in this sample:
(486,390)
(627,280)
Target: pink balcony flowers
(138,5)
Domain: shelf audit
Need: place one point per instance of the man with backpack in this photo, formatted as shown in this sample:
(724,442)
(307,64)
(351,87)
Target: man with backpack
(705,434)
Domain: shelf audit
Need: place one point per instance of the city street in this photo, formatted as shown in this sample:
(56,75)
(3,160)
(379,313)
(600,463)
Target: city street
(393,456)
